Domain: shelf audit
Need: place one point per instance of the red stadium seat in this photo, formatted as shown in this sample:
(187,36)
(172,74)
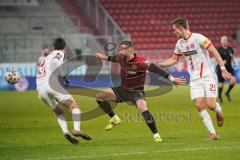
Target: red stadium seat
(148,21)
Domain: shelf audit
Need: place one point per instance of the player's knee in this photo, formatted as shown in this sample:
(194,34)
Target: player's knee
(141,104)
(200,105)
(71,104)
(74,105)
(211,105)
(100,97)
(58,111)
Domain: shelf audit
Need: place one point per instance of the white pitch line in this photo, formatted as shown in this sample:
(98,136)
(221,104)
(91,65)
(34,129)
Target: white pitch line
(137,153)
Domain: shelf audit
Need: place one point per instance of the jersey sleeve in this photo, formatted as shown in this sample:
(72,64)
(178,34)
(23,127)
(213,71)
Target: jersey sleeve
(204,41)
(155,69)
(177,50)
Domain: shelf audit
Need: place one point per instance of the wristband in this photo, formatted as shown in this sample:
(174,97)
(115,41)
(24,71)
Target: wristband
(171,78)
(223,68)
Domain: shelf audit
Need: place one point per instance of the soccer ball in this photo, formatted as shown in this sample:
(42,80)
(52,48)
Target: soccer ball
(12,77)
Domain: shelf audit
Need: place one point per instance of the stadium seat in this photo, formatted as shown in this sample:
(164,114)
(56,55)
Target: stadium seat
(149,20)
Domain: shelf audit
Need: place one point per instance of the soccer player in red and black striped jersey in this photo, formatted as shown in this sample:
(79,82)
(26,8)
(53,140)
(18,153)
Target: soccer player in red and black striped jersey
(133,73)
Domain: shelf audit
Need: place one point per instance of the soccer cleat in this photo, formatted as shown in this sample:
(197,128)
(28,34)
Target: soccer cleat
(220,119)
(71,138)
(228,97)
(213,136)
(113,122)
(82,135)
(157,139)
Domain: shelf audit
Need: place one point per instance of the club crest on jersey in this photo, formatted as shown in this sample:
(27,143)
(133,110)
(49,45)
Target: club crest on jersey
(192,46)
(134,67)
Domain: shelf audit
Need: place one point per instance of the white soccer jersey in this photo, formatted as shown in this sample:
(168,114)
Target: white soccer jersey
(194,50)
(48,65)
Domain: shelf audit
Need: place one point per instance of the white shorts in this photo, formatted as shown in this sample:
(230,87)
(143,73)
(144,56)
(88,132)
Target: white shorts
(205,87)
(52,97)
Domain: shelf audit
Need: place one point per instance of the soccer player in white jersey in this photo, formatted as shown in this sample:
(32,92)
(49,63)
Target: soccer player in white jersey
(47,79)
(195,48)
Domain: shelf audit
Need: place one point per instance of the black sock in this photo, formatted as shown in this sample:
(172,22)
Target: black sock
(220,92)
(150,121)
(230,88)
(106,107)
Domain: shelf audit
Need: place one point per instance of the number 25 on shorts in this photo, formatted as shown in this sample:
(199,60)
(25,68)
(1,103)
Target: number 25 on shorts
(212,87)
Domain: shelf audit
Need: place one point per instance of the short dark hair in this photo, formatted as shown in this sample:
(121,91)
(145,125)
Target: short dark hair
(125,45)
(181,21)
(59,43)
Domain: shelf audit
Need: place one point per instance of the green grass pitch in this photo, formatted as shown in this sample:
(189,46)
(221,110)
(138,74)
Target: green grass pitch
(29,130)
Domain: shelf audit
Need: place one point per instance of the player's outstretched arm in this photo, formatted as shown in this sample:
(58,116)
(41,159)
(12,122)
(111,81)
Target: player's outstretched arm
(113,58)
(100,56)
(169,62)
(212,50)
(178,81)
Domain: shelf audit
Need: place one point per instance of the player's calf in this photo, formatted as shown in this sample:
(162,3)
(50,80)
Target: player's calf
(207,121)
(219,115)
(61,119)
(106,108)
(213,105)
(149,120)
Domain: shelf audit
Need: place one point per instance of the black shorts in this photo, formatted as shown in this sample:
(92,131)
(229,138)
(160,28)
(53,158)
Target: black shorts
(124,96)
(219,73)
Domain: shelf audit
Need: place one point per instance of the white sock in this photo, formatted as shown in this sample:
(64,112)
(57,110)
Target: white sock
(218,108)
(63,123)
(207,121)
(156,135)
(115,116)
(76,118)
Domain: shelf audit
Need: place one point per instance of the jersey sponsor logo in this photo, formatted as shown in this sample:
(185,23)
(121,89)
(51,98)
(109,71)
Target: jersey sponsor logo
(130,72)
(134,67)
(58,56)
(189,53)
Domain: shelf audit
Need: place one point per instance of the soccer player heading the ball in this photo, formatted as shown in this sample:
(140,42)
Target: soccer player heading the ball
(54,98)
(133,73)
(195,48)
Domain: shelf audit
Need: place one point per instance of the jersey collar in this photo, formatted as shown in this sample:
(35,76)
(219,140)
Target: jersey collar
(188,37)
(135,55)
